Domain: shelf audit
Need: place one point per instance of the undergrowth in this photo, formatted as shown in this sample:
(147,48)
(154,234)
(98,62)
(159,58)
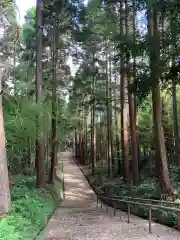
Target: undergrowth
(29,209)
(148,189)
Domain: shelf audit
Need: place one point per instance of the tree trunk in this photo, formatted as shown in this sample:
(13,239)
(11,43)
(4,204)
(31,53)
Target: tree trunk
(109,121)
(85,140)
(5,198)
(132,114)
(54,109)
(157,108)
(93,124)
(39,140)
(135,161)
(117,128)
(93,140)
(173,23)
(175,125)
(124,107)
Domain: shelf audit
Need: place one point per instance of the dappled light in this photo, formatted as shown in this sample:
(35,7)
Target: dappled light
(89,120)
(78,216)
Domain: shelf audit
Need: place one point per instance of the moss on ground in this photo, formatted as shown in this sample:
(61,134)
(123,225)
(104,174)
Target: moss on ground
(30,208)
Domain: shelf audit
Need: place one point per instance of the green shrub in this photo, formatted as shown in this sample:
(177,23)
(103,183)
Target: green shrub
(29,209)
(148,188)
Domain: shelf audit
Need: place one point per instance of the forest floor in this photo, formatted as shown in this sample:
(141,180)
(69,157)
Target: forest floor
(78,217)
(30,208)
(148,189)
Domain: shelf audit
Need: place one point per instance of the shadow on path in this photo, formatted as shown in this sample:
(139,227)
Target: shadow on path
(78,218)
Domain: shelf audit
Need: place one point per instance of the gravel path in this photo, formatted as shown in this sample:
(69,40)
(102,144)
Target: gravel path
(78,217)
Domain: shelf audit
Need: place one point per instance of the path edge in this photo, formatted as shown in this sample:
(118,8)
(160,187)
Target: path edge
(56,205)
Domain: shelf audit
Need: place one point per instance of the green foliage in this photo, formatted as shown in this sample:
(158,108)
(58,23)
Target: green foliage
(20,125)
(28,30)
(175,177)
(30,207)
(148,189)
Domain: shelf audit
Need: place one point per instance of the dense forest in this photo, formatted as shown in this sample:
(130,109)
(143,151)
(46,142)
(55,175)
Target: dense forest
(120,109)
(125,94)
(33,114)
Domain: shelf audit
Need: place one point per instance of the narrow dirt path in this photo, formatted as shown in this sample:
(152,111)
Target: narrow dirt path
(78,218)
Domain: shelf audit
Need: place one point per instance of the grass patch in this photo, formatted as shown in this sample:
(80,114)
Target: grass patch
(30,207)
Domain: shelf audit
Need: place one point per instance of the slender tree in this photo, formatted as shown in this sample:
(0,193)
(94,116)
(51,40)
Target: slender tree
(39,95)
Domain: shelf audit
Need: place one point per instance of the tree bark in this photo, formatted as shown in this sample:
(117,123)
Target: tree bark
(175,125)
(93,124)
(174,97)
(54,109)
(132,109)
(157,108)
(124,107)
(39,140)
(109,121)
(5,198)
